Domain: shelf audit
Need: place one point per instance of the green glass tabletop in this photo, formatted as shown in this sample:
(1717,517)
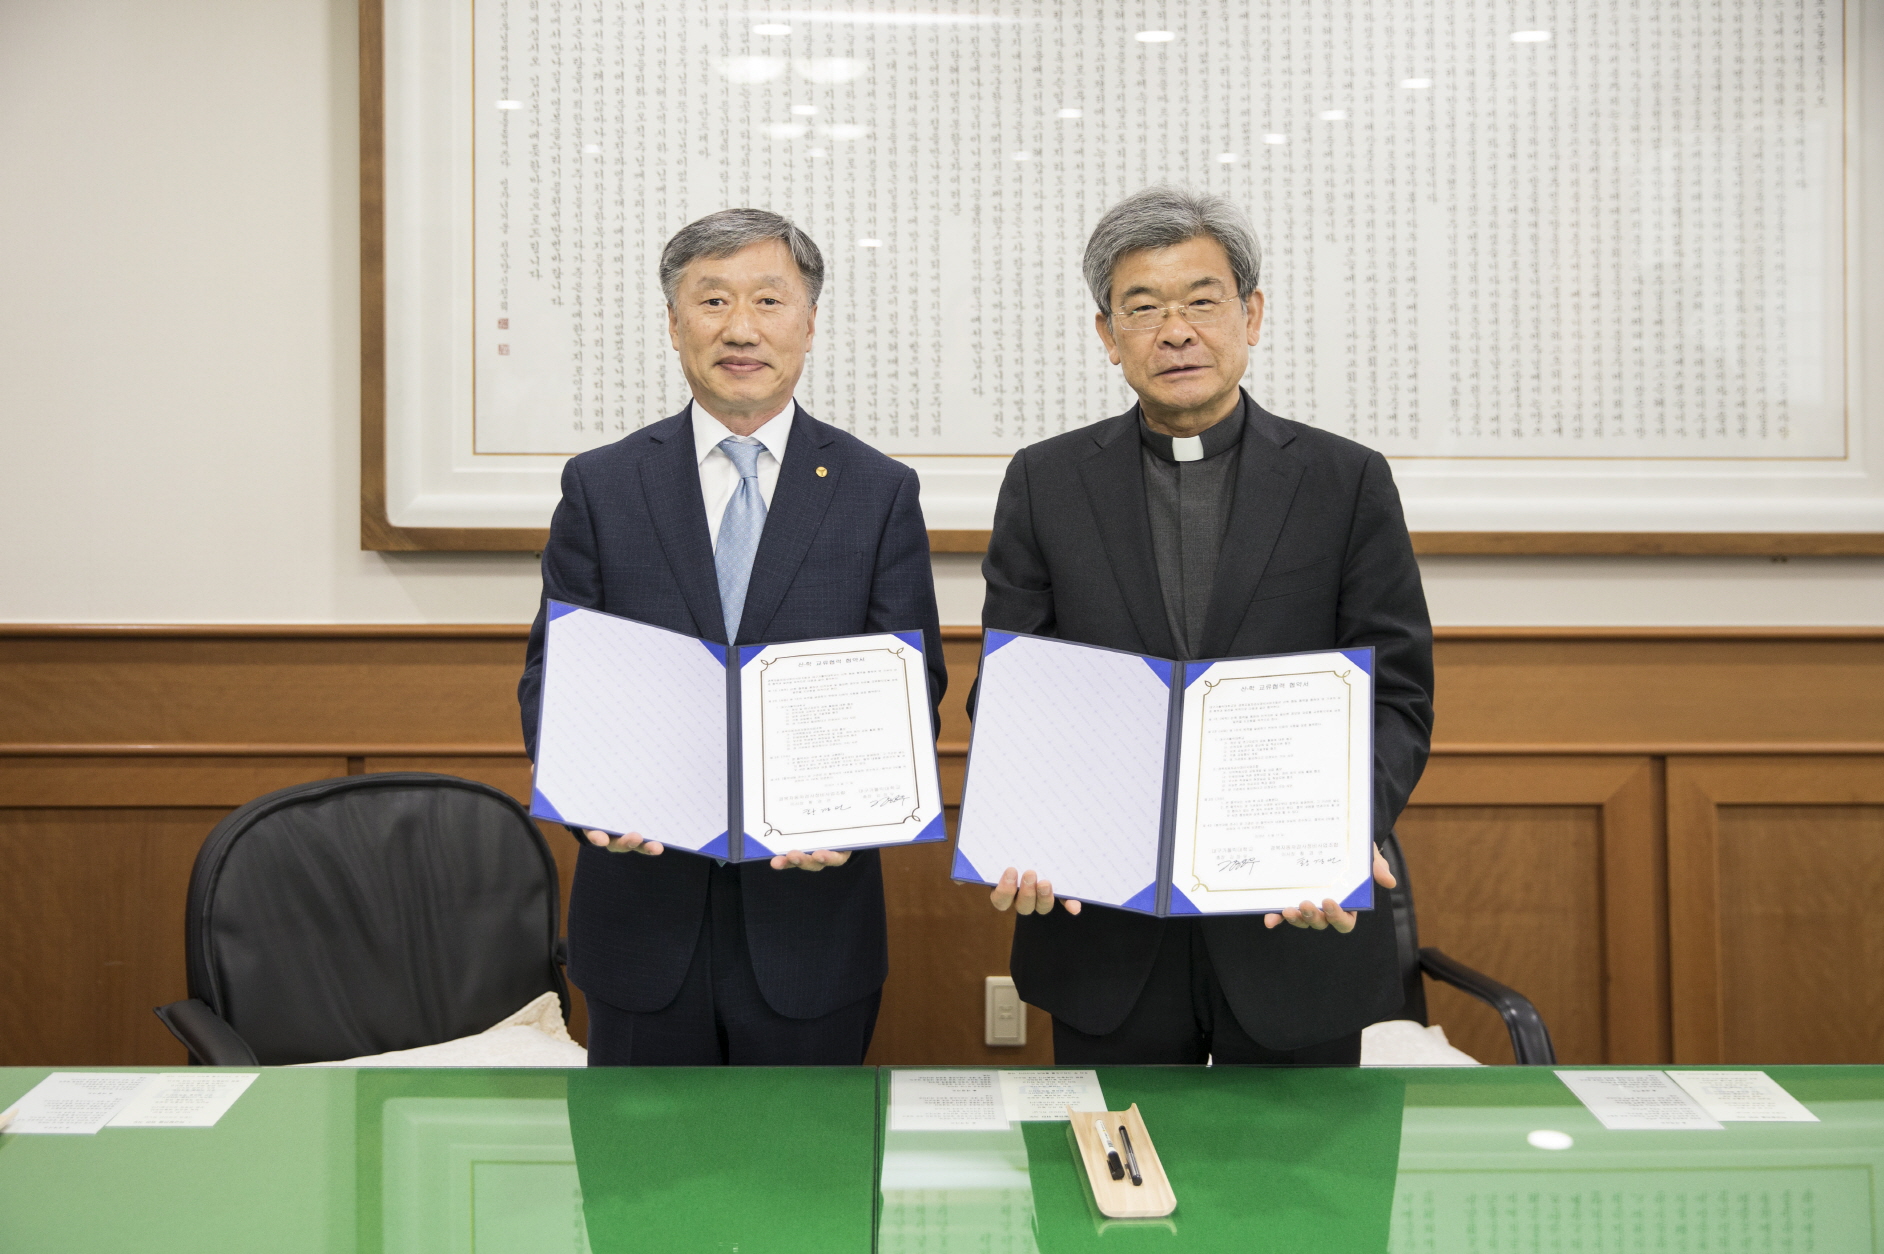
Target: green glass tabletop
(1444,1160)
(335,1160)
(1427,1161)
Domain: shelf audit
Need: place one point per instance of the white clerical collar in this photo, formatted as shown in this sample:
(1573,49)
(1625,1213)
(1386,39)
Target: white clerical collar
(1187,448)
(708,431)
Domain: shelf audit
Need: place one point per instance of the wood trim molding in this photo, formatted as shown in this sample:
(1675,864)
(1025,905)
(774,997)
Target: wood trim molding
(244,750)
(265,631)
(379,533)
(945,749)
(1582,543)
(950,632)
(1647,544)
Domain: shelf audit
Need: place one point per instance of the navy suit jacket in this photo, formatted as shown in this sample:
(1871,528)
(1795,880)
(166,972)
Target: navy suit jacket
(844,552)
(1315,556)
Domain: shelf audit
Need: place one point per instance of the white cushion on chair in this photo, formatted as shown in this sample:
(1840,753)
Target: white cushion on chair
(1404,1043)
(534,1036)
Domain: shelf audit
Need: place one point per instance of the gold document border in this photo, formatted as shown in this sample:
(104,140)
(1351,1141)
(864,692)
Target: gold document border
(1197,794)
(915,777)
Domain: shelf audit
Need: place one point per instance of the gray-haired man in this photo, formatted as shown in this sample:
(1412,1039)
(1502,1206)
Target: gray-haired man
(740,519)
(1200,525)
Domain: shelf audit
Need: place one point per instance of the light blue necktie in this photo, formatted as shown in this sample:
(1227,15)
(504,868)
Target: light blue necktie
(740,527)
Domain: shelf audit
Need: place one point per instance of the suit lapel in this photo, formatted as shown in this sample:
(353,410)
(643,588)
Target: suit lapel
(1266,480)
(670,483)
(1115,485)
(807,483)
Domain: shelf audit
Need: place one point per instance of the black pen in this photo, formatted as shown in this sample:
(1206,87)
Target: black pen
(1131,1158)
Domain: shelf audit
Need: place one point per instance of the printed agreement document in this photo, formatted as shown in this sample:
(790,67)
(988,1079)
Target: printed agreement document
(946,1101)
(74,1102)
(743,752)
(1215,787)
(1637,1101)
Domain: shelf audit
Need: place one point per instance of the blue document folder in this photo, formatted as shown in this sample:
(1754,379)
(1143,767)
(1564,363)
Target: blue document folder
(1227,786)
(738,752)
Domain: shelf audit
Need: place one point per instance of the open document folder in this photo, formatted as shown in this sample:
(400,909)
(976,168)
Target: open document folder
(1213,787)
(739,752)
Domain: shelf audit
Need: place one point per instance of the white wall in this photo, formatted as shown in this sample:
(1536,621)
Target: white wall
(179,337)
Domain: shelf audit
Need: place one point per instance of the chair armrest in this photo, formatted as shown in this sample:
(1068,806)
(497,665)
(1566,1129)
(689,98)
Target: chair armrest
(1530,1039)
(210,1040)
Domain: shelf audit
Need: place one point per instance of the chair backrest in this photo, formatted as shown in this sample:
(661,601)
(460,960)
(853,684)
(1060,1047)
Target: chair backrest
(370,913)
(1406,931)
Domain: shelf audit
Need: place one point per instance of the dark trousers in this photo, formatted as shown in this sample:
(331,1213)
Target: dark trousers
(1182,1017)
(719,1017)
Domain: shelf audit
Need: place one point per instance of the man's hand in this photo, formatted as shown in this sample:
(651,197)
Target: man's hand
(810,861)
(633,842)
(1028,894)
(1331,914)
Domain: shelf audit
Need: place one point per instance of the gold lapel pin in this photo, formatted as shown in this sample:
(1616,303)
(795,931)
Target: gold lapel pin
(822,472)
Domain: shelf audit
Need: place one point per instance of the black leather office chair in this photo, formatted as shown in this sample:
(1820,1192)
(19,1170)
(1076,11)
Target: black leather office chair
(355,916)
(1530,1039)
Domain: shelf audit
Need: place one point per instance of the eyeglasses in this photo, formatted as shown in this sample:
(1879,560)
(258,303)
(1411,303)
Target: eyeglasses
(1149,317)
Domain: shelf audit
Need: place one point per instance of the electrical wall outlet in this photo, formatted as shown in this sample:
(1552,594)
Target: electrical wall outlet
(1005,1019)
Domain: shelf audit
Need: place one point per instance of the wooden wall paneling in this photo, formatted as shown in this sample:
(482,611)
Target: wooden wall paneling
(1649,691)
(270,689)
(95,859)
(945,939)
(91,932)
(1776,866)
(1635,917)
(1545,874)
(154,780)
(146,732)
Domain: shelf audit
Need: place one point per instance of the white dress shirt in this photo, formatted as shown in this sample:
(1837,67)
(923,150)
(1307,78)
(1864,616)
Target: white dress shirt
(719,478)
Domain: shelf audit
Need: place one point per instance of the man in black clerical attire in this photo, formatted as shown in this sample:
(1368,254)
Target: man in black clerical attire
(1200,525)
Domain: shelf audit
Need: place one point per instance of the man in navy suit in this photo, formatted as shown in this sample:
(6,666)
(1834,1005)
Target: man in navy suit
(741,519)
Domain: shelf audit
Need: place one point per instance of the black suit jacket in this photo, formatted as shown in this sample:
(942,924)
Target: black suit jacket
(844,551)
(1315,556)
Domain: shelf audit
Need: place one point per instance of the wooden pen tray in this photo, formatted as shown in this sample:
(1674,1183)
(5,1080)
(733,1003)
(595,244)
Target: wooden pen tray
(1121,1199)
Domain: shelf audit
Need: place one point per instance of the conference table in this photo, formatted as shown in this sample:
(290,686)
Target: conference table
(751,1161)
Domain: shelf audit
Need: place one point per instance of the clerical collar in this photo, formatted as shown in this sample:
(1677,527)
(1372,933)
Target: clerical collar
(1193,448)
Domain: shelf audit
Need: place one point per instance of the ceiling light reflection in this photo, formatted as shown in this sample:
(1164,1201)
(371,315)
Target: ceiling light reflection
(1416,84)
(1226,158)
(771,28)
(752,69)
(510,104)
(869,243)
(1550,1139)
(885,19)
(1334,115)
(1072,113)
(1154,36)
(805,111)
(831,69)
(1530,36)
(1275,139)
